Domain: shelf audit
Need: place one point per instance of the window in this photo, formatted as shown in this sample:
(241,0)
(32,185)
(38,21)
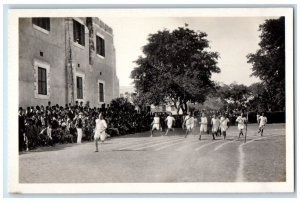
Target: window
(78,33)
(42,81)
(100,46)
(42,22)
(101,92)
(79,87)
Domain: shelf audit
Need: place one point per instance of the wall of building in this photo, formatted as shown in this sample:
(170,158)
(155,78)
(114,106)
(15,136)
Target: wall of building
(31,42)
(54,47)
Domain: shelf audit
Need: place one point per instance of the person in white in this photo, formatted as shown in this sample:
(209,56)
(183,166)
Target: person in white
(79,125)
(241,120)
(100,130)
(257,118)
(194,119)
(262,122)
(188,123)
(155,124)
(170,122)
(215,122)
(224,125)
(203,125)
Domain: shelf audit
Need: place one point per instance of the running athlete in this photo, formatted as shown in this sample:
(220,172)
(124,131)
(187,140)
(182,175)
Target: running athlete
(262,122)
(224,125)
(241,124)
(188,122)
(203,124)
(100,130)
(215,122)
(155,124)
(170,122)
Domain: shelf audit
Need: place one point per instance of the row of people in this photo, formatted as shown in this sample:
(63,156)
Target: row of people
(219,124)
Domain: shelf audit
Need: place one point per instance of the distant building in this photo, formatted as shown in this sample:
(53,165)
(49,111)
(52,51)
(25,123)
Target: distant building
(64,60)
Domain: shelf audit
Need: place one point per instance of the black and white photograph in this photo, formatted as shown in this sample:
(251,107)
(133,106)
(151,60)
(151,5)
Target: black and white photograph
(151,100)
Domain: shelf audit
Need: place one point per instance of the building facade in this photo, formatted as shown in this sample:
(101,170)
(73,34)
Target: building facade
(64,60)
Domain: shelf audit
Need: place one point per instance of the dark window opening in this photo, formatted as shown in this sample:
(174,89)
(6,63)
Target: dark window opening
(42,22)
(79,87)
(101,92)
(100,46)
(78,33)
(42,81)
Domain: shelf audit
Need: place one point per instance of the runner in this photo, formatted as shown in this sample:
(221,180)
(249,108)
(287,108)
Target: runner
(193,123)
(100,130)
(155,124)
(215,122)
(241,124)
(262,122)
(257,118)
(224,125)
(188,123)
(170,122)
(203,125)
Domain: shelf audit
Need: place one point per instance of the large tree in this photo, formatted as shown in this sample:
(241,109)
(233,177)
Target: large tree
(177,66)
(259,100)
(269,61)
(235,95)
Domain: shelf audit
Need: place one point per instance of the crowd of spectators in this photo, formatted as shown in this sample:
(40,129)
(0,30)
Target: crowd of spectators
(52,124)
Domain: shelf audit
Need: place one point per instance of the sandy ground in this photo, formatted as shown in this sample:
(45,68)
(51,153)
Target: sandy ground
(172,158)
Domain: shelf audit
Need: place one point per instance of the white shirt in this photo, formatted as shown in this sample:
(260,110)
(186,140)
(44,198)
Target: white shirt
(188,120)
(262,120)
(170,120)
(203,121)
(100,125)
(156,120)
(224,122)
(215,122)
(241,120)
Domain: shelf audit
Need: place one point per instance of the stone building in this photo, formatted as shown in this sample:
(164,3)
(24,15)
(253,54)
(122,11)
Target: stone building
(64,60)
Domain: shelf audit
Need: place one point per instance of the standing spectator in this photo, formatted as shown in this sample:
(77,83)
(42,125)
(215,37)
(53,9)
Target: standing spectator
(21,129)
(79,126)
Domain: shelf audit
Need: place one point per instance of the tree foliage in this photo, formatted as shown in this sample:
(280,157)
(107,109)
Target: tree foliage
(269,61)
(235,95)
(176,66)
(259,100)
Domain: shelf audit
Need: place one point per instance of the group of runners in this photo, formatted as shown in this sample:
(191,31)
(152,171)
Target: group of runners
(219,124)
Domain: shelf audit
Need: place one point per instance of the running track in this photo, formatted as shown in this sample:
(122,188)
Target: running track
(172,158)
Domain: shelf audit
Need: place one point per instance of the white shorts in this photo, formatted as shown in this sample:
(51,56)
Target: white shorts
(203,128)
(223,129)
(214,129)
(241,127)
(189,127)
(155,126)
(169,126)
(100,136)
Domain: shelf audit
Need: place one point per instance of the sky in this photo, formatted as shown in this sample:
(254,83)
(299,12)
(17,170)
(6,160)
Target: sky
(232,37)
